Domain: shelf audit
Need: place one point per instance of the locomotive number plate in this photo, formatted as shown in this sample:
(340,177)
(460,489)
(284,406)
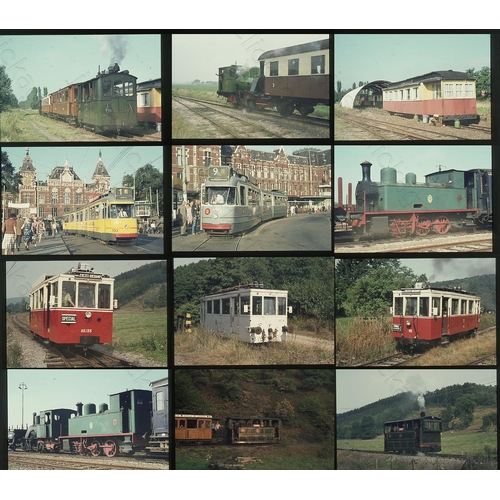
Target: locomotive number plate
(68,318)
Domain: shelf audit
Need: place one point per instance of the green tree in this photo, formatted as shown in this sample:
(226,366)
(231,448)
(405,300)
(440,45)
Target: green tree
(483,82)
(10,178)
(148,182)
(7,97)
(464,409)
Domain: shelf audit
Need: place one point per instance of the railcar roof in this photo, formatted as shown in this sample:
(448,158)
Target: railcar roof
(426,417)
(436,76)
(438,289)
(296,49)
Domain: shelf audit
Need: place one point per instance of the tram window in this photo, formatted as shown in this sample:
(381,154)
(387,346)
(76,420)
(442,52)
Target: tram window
(424,306)
(435,303)
(454,307)
(226,306)
(471,307)
(398,306)
(257,305)
(245,301)
(282,306)
(270,306)
(104,296)
(217,306)
(243,195)
(159,401)
(112,212)
(221,196)
(411,306)
(86,295)
(463,306)
(68,295)
(209,306)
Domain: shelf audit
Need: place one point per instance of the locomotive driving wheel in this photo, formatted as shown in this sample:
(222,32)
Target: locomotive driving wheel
(95,448)
(110,448)
(442,225)
(423,227)
(41,447)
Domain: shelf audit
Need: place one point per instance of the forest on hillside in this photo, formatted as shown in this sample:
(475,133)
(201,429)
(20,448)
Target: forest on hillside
(456,404)
(363,287)
(309,281)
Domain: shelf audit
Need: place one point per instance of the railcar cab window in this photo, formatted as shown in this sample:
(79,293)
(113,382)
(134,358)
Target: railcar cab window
(86,295)
(281,306)
(273,68)
(270,306)
(209,306)
(398,306)
(226,306)
(217,306)
(411,306)
(117,210)
(257,305)
(104,296)
(220,196)
(245,301)
(68,294)
(423,309)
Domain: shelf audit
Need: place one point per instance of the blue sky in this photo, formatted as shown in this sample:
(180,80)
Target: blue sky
(55,61)
(49,389)
(20,275)
(201,56)
(420,160)
(395,57)
(373,385)
(118,160)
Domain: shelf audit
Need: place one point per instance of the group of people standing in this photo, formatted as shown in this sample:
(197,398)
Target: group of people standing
(189,215)
(29,231)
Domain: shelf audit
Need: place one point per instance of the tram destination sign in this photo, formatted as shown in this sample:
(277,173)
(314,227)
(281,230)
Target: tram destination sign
(68,318)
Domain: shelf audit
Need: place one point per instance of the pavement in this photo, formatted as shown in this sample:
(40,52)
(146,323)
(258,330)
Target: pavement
(50,245)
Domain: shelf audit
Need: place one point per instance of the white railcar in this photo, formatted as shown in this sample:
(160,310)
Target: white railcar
(249,313)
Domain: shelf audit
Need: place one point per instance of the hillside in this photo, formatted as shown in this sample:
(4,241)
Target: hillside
(302,399)
(484,286)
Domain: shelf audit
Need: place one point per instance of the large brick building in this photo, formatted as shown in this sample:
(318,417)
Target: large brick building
(62,192)
(304,174)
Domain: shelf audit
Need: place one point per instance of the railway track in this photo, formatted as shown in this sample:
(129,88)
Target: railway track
(384,130)
(63,357)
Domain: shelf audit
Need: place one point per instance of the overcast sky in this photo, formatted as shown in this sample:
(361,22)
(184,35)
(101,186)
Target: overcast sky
(55,61)
(199,57)
(50,389)
(118,160)
(20,275)
(357,388)
(396,57)
(421,160)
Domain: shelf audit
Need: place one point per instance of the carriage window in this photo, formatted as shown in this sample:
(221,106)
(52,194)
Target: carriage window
(191,423)
(257,305)
(269,306)
(104,296)
(293,67)
(236,306)
(435,303)
(68,293)
(200,424)
(411,306)
(463,306)
(398,306)
(208,304)
(454,306)
(86,295)
(282,306)
(217,306)
(226,307)
(180,423)
(273,68)
(317,65)
(424,306)
(245,301)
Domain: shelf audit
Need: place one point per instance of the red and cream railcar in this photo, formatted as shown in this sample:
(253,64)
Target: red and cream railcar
(426,316)
(443,95)
(73,308)
(149,102)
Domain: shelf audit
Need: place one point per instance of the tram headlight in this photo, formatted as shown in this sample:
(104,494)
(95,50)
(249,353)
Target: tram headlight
(408,324)
(88,314)
(126,226)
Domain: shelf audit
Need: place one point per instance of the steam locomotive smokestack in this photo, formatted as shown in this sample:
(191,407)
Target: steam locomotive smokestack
(366,166)
(341,194)
(79,409)
(422,414)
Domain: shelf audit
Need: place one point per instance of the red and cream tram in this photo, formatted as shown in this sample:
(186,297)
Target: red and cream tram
(74,307)
(426,315)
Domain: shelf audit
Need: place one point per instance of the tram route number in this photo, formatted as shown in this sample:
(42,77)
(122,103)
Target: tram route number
(68,318)
(86,330)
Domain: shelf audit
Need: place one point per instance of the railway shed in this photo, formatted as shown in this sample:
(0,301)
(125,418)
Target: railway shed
(368,95)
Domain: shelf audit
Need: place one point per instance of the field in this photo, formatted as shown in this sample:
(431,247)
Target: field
(204,348)
(281,456)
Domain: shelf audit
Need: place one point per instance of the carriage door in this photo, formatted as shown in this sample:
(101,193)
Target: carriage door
(444,314)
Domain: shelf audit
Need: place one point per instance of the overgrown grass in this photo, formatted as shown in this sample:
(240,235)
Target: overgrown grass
(205,348)
(143,332)
(273,457)
(360,341)
(14,355)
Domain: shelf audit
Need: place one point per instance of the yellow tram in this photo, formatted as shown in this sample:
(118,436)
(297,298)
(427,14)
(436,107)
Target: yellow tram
(110,217)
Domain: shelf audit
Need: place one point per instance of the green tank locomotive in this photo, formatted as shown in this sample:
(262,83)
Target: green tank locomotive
(448,198)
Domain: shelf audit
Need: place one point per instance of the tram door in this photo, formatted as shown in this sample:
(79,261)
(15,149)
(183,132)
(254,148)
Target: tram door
(235,314)
(444,314)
